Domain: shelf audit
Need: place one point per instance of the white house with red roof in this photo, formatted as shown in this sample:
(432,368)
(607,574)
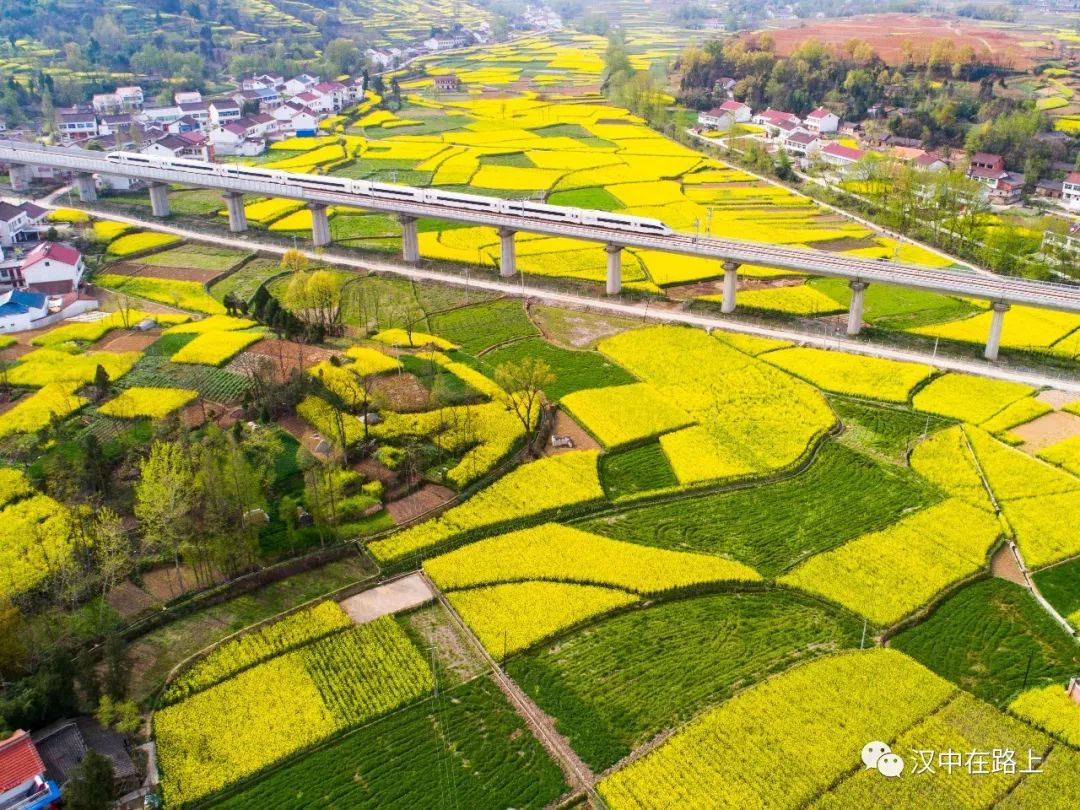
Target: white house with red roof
(332,93)
(51,268)
(23,785)
(777,122)
(1070,191)
(836,154)
(726,115)
(821,120)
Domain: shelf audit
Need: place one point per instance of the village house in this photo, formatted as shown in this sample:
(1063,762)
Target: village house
(51,269)
(821,121)
(23,783)
(64,744)
(1002,187)
(929,162)
(1050,189)
(776,122)
(105,103)
(330,93)
(803,143)
(1070,191)
(197,110)
(841,156)
(300,84)
(18,222)
(725,116)
(447,83)
(296,120)
(224,111)
(187,97)
(161,115)
(440,43)
(131,98)
(76,126)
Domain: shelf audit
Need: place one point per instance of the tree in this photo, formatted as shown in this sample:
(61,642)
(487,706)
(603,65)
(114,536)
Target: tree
(287,515)
(112,550)
(524,381)
(294,261)
(92,784)
(101,383)
(164,498)
(12,648)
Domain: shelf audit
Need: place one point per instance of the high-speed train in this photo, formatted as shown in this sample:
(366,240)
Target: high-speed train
(390,192)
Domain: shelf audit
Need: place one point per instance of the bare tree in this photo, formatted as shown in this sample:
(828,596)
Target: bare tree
(524,383)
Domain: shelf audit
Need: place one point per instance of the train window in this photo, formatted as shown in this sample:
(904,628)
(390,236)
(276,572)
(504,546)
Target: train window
(320,182)
(464,201)
(384,190)
(610,221)
(652,227)
(544,212)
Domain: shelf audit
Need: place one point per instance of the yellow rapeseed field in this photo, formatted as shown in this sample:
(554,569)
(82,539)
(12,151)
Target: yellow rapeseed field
(513,617)
(565,554)
(889,574)
(968,398)
(855,375)
(533,489)
(1052,709)
(625,414)
(781,742)
(154,403)
(215,348)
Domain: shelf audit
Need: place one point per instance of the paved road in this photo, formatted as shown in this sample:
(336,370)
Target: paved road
(613,306)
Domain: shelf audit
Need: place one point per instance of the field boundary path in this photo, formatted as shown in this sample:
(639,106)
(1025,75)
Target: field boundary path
(642,311)
(577,773)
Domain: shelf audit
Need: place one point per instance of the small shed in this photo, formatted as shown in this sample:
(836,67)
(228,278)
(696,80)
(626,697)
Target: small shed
(64,744)
(145,325)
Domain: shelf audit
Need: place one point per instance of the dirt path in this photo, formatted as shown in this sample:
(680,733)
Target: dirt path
(1004,565)
(400,594)
(577,773)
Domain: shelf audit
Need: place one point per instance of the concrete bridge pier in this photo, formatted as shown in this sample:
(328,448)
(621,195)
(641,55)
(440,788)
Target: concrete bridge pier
(159,199)
(320,225)
(87,190)
(614,269)
(234,204)
(731,285)
(410,239)
(21,176)
(855,311)
(507,253)
(993,340)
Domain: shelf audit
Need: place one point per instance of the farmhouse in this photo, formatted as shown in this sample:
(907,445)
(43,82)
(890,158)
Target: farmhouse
(187,97)
(983,165)
(17,222)
(1070,191)
(300,84)
(929,163)
(224,111)
(51,269)
(22,773)
(1050,189)
(131,98)
(836,154)
(19,310)
(77,125)
(801,142)
(64,744)
(725,116)
(447,83)
(776,122)
(821,120)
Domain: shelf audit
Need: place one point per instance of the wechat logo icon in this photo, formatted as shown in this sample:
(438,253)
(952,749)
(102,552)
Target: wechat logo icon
(879,756)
